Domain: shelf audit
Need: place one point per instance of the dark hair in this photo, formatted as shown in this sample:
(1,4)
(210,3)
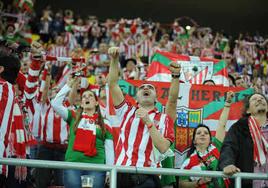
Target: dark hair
(192,148)
(99,121)
(11,66)
(131,59)
(246,104)
(206,81)
(232,79)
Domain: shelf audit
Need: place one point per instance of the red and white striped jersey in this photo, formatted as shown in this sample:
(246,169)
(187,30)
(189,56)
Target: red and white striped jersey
(134,146)
(45,124)
(96,59)
(129,50)
(6,113)
(53,128)
(58,51)
(70,41)
(145,48)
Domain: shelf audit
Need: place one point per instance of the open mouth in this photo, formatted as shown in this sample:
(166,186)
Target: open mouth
(146,93)
(87,102)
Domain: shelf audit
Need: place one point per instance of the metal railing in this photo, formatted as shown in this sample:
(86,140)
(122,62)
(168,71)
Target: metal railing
(123,169)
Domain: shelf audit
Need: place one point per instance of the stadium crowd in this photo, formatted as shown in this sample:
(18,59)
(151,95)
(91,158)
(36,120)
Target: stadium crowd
(55,72)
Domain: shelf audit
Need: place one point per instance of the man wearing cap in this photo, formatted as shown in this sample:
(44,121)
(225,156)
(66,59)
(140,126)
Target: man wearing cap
(144,132)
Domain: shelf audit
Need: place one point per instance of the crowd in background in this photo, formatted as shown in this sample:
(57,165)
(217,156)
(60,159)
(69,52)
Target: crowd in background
(63,31)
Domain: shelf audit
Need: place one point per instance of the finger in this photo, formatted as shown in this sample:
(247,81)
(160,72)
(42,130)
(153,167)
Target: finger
(175,64)
(234,170)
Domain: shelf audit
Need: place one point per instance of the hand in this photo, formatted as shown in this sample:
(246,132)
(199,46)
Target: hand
(20,173)
(204,180)
(107,179)
(73,81)
(143,114)
(36,49)
(70,81)
(230,170)
(175,68)
(48,66)
(114,53)
(229,96)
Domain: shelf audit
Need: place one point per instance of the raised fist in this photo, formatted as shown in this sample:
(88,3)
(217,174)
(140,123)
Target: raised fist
(36,50)
(175,68)
(113,52)
(229,96)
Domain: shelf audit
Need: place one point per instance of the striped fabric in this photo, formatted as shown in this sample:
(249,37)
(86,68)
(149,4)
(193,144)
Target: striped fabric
(134,146)
(145,48)
(33,95)
(260,144)
(59,51)
(6,114)
(18,138)
(53,128)
(70,41)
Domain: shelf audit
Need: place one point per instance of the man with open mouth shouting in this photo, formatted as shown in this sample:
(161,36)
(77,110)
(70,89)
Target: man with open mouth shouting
(145,134)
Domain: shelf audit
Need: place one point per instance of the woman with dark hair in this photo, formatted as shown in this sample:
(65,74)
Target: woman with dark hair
(205,151)
(245,146)
(89,141)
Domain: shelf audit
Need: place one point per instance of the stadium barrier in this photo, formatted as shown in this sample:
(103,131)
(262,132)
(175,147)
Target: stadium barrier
(123,169)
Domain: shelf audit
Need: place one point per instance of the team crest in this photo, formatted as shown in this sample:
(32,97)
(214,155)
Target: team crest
(187,120)
(196,71)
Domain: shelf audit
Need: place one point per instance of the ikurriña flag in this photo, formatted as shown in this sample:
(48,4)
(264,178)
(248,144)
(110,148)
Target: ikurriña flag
(195,70)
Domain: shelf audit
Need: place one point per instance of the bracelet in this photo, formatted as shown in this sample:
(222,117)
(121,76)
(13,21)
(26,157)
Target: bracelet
(175,75)
(150,125)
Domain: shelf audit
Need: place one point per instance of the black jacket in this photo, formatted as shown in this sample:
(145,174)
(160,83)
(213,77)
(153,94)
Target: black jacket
(237,149)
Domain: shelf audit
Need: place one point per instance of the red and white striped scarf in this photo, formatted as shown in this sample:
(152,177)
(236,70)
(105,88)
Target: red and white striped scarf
(85,138)
(17,140)
(260,144)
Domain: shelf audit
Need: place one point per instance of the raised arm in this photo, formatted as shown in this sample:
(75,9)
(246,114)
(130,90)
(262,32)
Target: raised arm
(220,131)
(31,84)
(45,83)
(73,92)
(116,92)
(57,102)
(171,105)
